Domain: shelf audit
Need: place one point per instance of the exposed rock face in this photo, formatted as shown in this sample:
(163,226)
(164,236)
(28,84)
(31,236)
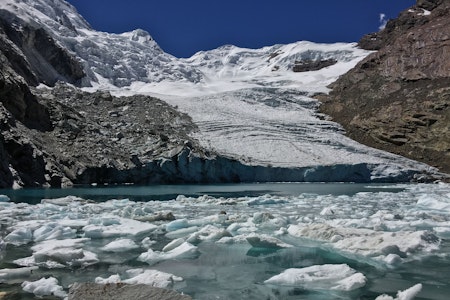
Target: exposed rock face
(398,98)
(34,55)
(313,65)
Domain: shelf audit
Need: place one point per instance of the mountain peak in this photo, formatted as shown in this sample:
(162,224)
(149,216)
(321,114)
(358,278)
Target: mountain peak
(139,35)
(58,15)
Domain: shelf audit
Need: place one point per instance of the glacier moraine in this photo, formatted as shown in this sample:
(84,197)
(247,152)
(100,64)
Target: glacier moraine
(252,241)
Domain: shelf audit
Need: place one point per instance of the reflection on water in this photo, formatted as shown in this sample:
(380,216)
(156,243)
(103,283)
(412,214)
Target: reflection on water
(168,192)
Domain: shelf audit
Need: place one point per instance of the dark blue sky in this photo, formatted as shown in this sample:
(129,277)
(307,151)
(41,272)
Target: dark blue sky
(183,27)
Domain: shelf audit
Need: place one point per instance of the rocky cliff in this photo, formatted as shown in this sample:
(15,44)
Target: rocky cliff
(397,99)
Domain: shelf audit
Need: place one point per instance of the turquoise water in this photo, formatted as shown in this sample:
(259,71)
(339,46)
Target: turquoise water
(238,270)
(167,192)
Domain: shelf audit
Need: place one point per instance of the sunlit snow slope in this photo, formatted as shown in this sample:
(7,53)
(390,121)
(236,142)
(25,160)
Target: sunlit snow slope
(247,103)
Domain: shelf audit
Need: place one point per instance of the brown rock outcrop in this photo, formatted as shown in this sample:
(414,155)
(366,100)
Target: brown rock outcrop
(397,99)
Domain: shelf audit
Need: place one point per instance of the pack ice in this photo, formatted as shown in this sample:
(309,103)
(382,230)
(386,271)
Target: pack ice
(264,246)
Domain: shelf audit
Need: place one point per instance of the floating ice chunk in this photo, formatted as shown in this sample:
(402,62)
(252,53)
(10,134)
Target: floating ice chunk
(209,220)
(183,232)
(4,198)
(369,242)
(433,202)
(234,227)
(20,236)
(177,224)
(336,277)
(318,231)
(73,223)
(124,228)
(267,200)
(260,217)
(237,239)
(44,287)
(120,245)
(147,243)
(443,232)
(173,244)
(105,221)
(139,276)
(119,203)
(407,294)
(351,283)
(385,243)
(53,231)
(185,250)
(10,274)
(111,279)
(393,259)
(327,211)
(67,243)
(159,216)
(410,293)
(64,201)
(58,254)
(154,278)
(266,241)
(208,233)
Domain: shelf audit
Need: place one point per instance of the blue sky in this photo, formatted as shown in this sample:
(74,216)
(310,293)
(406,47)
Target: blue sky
(184,27)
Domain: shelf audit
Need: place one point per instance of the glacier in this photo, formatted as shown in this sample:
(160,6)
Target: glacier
(249,104)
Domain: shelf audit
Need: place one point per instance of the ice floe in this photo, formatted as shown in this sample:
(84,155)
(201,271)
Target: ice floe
(44,287)
(140,276)
(368,242)
(333,277)
(117,227)
(407,294)
(183,251)
(59,254)
(120,245)
(266,241)
(12,274)
(4,198)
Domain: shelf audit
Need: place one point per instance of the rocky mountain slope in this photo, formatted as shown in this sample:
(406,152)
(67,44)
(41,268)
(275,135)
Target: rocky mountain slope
(74,110)
(398,98)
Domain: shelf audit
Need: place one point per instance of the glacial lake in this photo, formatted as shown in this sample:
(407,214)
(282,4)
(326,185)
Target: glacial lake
(231,241)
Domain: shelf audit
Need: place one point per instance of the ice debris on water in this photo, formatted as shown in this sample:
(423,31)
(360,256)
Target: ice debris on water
(120,245)
(384,229)
(12,274)
(4,198)
(140,276)
(44,287)
(408,294)
(327,277)
(183,251)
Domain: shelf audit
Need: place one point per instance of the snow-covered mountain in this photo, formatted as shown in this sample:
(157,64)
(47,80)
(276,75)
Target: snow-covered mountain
(134,56)
(248,104)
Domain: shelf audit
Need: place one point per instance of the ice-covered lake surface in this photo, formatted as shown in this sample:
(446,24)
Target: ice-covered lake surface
(246,241)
